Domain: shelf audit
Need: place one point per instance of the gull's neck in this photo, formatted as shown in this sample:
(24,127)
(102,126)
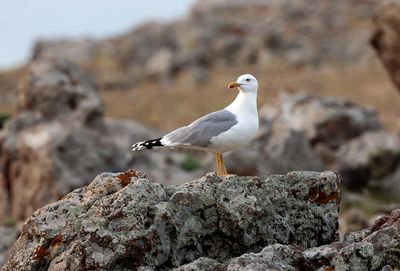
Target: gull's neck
(245,102)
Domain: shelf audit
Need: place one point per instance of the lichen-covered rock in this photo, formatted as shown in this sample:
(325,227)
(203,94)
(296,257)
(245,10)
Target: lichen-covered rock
(202,264)
(367,250)
(274,257)
(123,221)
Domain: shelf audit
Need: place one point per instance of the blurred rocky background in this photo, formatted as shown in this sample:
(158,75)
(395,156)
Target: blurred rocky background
(329,74)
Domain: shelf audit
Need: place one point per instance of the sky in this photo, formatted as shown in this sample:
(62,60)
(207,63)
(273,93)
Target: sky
(24,21)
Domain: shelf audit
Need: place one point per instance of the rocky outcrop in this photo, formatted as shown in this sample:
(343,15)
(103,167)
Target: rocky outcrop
(386,37)
(375,249)
(60,140)
(301,33)
(124,221)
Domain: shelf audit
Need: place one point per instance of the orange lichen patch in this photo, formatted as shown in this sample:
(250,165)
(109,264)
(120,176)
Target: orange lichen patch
(57,241)
(125,177)
(330,268)
(316,195)
(40,252)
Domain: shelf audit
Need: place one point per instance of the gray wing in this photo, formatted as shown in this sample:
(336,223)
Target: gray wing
(199,132)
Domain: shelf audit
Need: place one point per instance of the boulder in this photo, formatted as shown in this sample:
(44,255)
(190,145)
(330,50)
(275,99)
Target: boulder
(202,264)
(370,157)
(371,249)
(274,257)
(385,38)
(75,50)
(123,221)
(326,120)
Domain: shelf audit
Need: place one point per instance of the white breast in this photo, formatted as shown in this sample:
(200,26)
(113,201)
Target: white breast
(244,107)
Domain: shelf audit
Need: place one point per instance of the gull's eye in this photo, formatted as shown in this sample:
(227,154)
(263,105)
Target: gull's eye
(248,79)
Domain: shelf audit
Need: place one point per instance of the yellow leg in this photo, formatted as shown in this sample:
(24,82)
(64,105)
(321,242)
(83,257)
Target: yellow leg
(224,172)
(219,165)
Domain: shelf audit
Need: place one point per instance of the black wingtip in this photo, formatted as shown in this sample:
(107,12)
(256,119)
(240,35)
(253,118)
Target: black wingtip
(149,144)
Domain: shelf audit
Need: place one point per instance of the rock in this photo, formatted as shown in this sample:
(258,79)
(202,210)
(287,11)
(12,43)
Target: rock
(386,37)
(160,64)
(75,50)
(374,250)
(59,90)
(124,221)
(202,264)
(8,235)
(371,156)
(327,121)
(60,140)
(274,257)
(388,185)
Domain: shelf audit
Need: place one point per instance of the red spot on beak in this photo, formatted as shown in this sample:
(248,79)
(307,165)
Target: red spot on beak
(233,85)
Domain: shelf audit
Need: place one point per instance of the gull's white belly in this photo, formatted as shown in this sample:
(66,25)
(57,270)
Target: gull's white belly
(237,136)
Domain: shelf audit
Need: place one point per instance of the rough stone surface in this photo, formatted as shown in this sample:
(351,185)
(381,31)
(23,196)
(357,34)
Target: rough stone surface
(386,37)
(367,250)
(8,235)
(274,257)
(124,222)
(202,264)
(375,249)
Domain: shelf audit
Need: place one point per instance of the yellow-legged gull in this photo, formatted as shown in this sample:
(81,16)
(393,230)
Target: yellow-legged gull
(220,131)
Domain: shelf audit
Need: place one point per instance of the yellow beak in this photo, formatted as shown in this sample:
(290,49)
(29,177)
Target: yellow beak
(233,85)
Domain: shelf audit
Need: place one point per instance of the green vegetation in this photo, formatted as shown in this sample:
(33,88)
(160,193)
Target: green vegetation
(3,118)
(190,163)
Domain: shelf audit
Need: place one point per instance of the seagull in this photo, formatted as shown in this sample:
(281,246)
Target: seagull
(217,132)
